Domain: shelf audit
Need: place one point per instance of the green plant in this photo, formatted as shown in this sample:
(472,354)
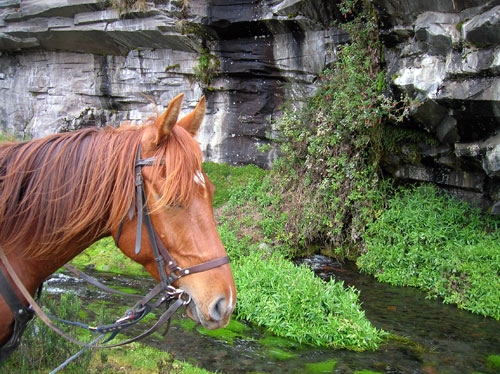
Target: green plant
(103,255)
(228,179)
(429,240)
(494,361)
(4,137)
(207,69)
(291,302)
(288,300)
(127,6)
(327,176)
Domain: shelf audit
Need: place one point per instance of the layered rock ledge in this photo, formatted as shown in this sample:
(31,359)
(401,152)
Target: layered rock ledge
(67,64)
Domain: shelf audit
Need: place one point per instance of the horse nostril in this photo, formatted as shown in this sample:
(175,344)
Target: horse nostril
(219,309)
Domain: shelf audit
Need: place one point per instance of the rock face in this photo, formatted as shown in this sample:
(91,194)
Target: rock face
(446,54)
(66,64)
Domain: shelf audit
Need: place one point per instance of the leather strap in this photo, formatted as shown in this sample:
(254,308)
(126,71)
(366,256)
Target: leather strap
(41,314)
(80,274)
(22,315)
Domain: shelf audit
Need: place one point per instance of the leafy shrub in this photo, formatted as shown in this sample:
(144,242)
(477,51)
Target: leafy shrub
(427,239)
(331,147)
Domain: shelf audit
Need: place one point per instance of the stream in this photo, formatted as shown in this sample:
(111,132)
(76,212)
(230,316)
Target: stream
(432,337)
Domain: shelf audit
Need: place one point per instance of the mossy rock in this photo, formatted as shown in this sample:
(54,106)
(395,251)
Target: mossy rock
(321,367)
(276,341)
(279,354)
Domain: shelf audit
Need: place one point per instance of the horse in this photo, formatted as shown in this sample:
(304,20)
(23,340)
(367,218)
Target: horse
(61,193)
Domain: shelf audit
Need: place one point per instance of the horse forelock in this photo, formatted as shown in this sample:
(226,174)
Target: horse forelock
(178,160)
(66,188)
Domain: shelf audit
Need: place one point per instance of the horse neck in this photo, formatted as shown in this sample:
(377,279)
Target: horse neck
(33,272)
(98,209)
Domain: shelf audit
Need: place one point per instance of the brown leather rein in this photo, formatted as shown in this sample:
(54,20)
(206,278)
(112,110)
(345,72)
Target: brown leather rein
(163,293)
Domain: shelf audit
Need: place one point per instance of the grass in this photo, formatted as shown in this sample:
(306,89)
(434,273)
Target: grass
(227,179)
(6,137)
(428,239)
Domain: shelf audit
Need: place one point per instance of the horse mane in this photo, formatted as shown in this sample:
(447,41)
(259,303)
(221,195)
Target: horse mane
(75,187)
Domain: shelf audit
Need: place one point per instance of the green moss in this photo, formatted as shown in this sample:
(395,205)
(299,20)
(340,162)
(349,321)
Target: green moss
(237,327)
(221,334)
(186,323)
(172,67)
(493,361)
(279,354)
(327,366)
(275,341)
(233,330)
(104,256)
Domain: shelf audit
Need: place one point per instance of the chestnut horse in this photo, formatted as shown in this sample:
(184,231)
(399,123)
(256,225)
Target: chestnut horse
(61,193)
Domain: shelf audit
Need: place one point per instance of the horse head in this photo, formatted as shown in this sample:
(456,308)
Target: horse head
(179,198)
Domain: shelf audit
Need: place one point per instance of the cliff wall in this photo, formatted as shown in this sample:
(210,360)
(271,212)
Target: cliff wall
(66,64)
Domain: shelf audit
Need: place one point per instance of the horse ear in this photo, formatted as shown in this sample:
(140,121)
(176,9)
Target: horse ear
(168,119)
(192,121)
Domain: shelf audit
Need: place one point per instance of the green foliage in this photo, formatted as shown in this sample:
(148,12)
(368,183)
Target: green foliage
(429,240)
(394,136)
(251,216)
(292,302)
(494,361)
(331,148)
(207,69)
(288,300)
(4,137)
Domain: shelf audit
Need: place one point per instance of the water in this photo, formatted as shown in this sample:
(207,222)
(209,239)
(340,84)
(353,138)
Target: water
(435,338)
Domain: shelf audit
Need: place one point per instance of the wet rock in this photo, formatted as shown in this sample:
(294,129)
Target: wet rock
(99,60)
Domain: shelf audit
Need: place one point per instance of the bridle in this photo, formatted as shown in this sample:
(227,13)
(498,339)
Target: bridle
(161,254)
(163,293)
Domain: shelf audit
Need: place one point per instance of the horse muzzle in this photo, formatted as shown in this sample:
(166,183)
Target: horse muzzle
(216,315)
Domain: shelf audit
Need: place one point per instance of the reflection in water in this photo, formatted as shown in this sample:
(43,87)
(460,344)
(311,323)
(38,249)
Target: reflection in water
(435,338)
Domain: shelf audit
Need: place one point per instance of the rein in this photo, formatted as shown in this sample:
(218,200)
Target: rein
(163,292)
